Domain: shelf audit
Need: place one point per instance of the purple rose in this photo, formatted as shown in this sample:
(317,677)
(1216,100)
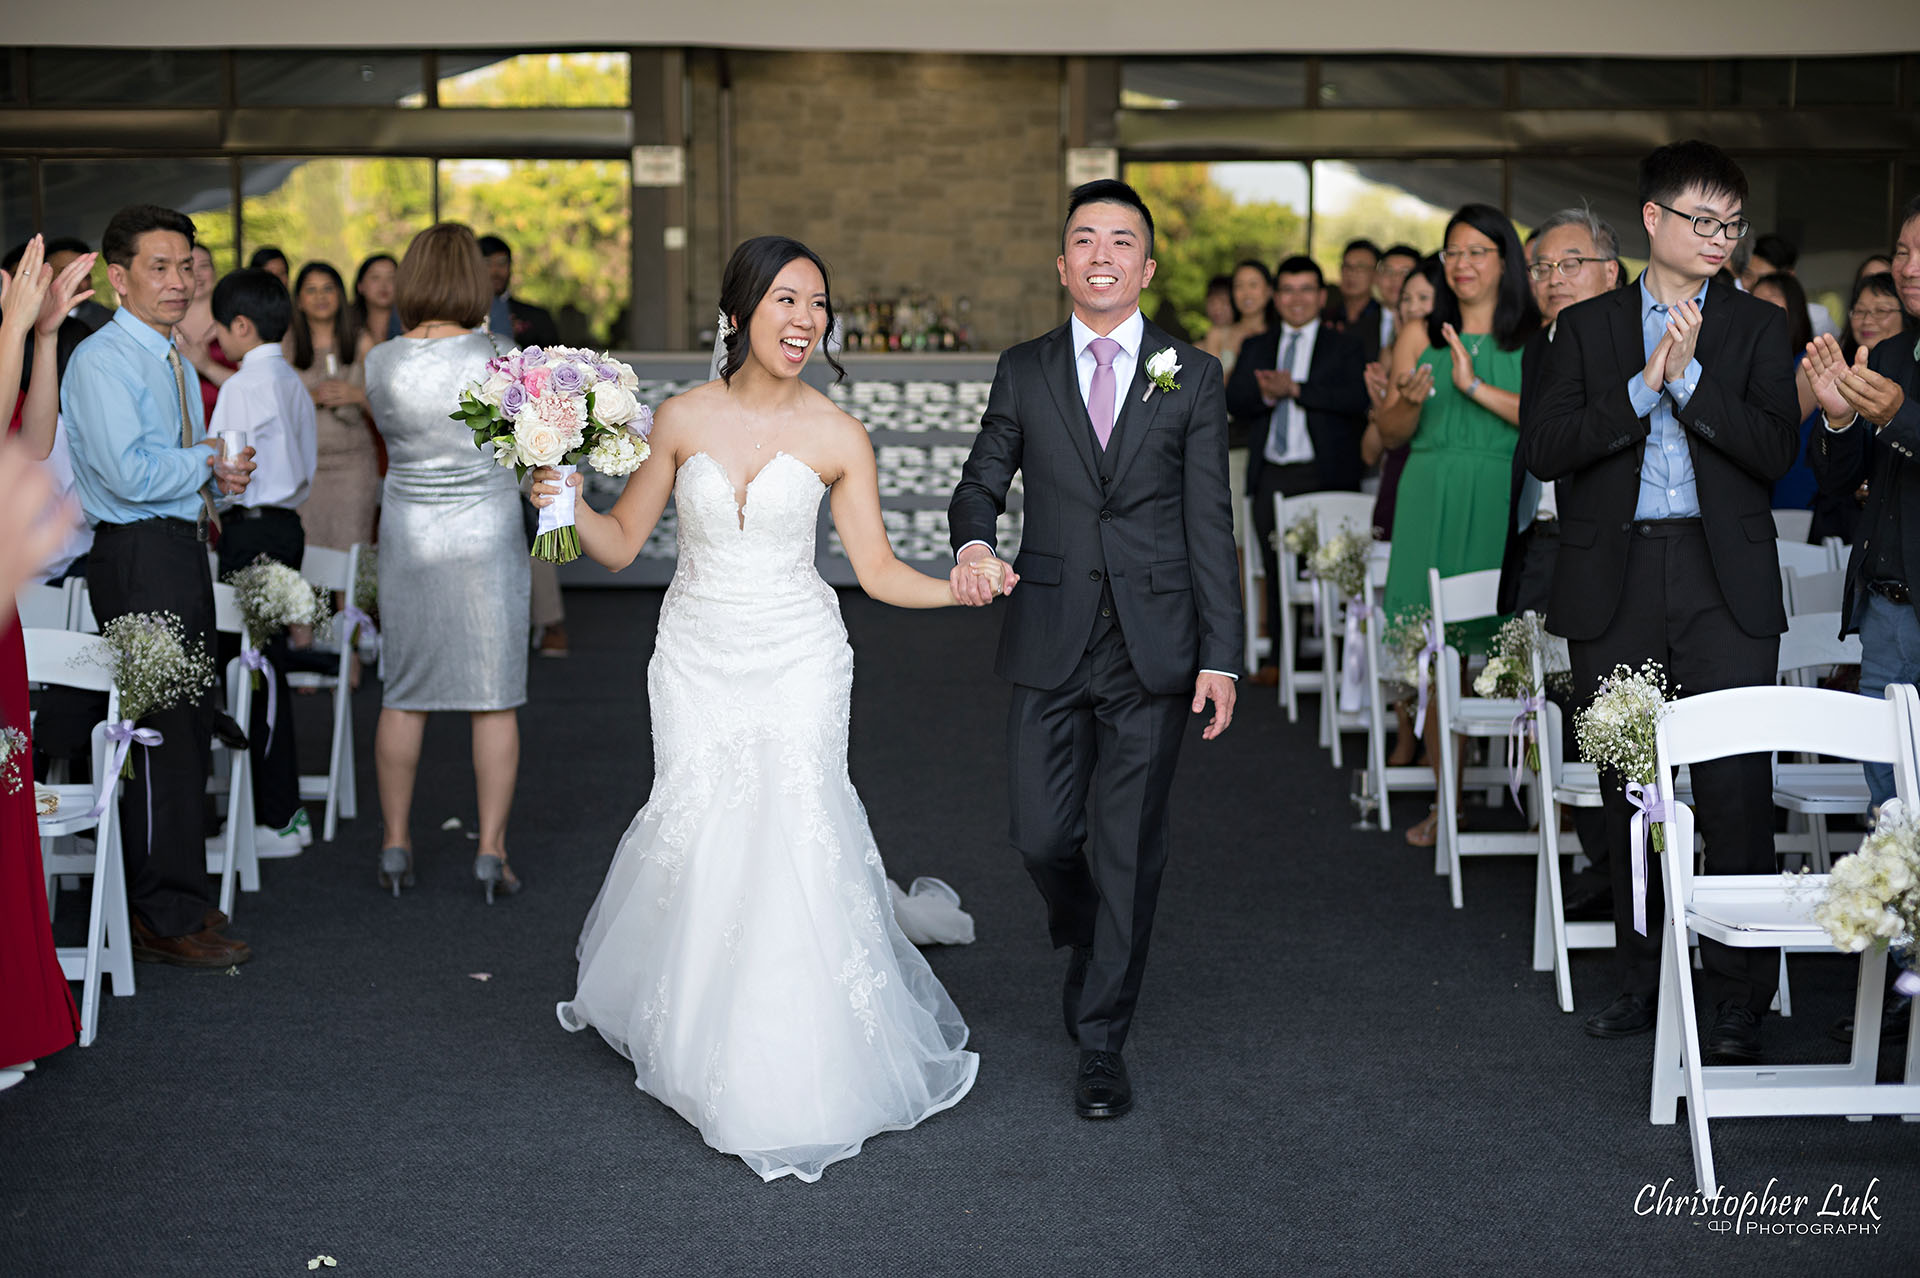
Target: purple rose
(642,422)
(568,379)
(512,400)
(533,357)
(607,371)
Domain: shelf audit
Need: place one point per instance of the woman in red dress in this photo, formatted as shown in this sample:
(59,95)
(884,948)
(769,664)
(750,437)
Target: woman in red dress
(37,1015)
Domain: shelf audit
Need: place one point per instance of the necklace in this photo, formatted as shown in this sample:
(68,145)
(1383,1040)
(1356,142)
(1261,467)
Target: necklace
(1473,343)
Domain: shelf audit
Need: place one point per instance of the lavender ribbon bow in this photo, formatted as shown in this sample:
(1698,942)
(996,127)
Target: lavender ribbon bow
(354,619)
(1651,808)
(1908,983)
(125,735)
(1519,735)
(1422,679)
(254,659)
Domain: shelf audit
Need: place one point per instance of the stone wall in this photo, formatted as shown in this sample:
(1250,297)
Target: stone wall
(928,172)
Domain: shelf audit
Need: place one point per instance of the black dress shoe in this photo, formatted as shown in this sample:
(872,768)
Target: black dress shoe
(1076,982)
(1626,1016)
(1896,1017)
(1102,1090)
(1591,902)
(1735,1036)
(228,732)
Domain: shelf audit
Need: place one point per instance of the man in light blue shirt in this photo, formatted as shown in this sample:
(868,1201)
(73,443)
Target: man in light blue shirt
(147,482)
(1666,470)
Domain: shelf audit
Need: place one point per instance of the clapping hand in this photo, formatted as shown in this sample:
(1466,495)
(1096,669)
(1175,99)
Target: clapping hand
(979,577)
(1275,384)
(65,291)
(1683,328)
(1876,398)
(1463,373)
(24,292)
(1378,383)
(1825,367)
(1416,387)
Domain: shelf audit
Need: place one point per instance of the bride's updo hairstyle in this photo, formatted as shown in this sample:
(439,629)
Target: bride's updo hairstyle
(750,273)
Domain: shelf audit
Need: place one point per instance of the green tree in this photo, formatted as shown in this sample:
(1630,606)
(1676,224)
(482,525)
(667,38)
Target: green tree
(542,80)
(1200,231)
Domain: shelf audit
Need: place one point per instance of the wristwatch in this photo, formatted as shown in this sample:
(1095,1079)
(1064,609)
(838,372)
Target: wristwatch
(1473,387)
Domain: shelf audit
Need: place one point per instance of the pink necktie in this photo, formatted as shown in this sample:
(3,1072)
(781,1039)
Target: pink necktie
(1100,395)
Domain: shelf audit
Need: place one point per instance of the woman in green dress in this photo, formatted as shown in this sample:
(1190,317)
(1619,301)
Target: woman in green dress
(1457,405)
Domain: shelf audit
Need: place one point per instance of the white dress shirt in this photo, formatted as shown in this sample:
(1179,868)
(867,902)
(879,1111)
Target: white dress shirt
(1287,439)
(267,399)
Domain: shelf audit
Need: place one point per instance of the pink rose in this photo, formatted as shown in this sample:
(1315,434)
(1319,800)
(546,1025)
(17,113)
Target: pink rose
(535,380)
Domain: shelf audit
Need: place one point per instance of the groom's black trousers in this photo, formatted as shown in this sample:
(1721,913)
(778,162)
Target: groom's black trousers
(1101,734)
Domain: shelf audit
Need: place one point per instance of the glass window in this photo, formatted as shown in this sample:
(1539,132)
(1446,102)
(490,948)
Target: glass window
(111,77)
(16,203)
(1393,202)
(1209,216)
(1606,82)
(9,86)
(1412,82)
(1753,82)
(1148,83)
(569,225)
(534,80)
(328,79)
(332,210)
(1834,211)
(79,196)
(1846,81)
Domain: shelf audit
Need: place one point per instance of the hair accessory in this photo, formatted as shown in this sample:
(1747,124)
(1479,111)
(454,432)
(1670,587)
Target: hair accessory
(724,327)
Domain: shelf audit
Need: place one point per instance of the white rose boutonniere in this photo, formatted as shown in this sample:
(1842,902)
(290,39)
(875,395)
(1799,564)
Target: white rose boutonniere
(1161,367)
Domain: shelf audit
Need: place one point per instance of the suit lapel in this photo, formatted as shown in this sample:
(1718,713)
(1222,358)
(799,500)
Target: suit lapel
(1629,343)
(1133,418)
(1063,383)
(1715,315)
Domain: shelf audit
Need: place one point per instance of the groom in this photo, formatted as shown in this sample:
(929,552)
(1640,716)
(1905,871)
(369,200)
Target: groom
(1129,619)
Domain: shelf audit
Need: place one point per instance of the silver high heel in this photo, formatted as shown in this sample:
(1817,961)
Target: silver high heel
(396,868)
(491,870)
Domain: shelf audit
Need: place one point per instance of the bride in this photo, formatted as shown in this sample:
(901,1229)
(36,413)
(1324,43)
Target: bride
(743,952)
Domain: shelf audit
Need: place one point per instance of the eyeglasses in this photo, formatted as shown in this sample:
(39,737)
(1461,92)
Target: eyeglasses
(1859,313)
(1476,254)
(1707,227)
(1567,266)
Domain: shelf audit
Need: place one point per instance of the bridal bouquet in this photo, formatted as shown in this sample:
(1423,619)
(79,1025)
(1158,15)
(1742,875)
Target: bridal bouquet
(556,406)
(1617,731)
(13,749)
(155,668)
(1341,560)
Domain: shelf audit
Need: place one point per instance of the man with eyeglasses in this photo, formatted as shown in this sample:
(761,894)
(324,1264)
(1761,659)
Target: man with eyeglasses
(1871,433)
(1671,408)
(1355,312)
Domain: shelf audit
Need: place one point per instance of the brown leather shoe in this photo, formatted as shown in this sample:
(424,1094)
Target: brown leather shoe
(213,920)
(1266,677)
(202,949)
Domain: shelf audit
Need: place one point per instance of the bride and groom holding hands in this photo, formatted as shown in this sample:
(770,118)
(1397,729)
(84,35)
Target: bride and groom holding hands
(743,952)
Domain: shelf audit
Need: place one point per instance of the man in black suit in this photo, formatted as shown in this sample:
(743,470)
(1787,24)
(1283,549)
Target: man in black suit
(1127,615)
(1301,390)
(521,323)
(1671,406)
(1356,313)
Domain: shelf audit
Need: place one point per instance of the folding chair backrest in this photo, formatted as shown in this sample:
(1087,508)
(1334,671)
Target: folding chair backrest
(42,607)
(1813,639)
(1329,509)
(83,619)
(1466,597)
(1815,591)
(226,610)
(1792,525)
(1845,725)
(1801,557)
(331,569)
(68,658)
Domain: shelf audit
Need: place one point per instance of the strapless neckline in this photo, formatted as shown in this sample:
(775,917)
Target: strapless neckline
(740,505)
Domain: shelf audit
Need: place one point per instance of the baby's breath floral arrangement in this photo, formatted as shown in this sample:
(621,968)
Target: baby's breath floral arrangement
(1302,537)
(1617,731)
(1509,668)
(272,597)
(1341,561)
(155,666)
(13,752)
(1402,640)
(1873,895)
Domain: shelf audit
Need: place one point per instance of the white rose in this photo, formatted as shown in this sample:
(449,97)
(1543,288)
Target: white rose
(537,443)
(1162,363)
(629,380)
(490,390)
(613,405)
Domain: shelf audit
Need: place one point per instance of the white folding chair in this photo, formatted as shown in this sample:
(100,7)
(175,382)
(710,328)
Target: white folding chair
(1467,597)
(1383,779)
(1347,622)
(1838,548)
(232,853)
(1816,591)
(74,660)
(1296,592)
(1253,579)
(334,570)
(1813,790)
(1555,935)
(1765,911)
(1793,525)
(1799,556)
(82,618)
(44,607)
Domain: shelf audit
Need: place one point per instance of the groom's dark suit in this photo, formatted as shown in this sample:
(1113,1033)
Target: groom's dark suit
(1127,591)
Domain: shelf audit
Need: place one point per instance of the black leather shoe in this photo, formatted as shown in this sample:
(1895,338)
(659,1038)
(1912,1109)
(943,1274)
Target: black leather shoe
(1589,903)
(1896,1017)
(1076,982)
(1626,1016)
(1102,1089)
(228,732)
(1735,1036)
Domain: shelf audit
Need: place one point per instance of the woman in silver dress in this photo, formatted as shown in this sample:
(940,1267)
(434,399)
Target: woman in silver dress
(453,556)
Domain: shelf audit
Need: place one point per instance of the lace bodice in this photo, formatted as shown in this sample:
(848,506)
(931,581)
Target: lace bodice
(731,552)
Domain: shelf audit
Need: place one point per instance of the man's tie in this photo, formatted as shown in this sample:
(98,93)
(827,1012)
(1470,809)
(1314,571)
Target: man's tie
(186,433)
(1100,395)
(1279,436)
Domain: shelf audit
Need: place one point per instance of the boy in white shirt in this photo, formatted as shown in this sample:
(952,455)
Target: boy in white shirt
(265,398)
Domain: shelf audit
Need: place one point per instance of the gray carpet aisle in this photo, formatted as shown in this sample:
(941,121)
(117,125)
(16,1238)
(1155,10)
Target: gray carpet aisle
(1337,1073)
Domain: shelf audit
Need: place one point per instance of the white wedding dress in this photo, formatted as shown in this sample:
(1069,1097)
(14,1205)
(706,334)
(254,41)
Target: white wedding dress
(743,952)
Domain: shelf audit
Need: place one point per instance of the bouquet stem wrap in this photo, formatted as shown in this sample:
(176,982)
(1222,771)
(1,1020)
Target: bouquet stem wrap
(558,541)
(1653,809)
(255,660)
(1523,751)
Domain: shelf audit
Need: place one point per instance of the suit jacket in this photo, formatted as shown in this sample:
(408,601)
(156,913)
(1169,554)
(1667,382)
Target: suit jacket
(532,325)
(1364,329)
(1742,427)
(1841,459)
(1533,356)
(1149,518)
(1334,396)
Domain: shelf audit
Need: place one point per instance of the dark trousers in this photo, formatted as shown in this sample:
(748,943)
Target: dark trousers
(277,535)
(161,566)
(1671,611)
(1287,481)
(1099,734)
